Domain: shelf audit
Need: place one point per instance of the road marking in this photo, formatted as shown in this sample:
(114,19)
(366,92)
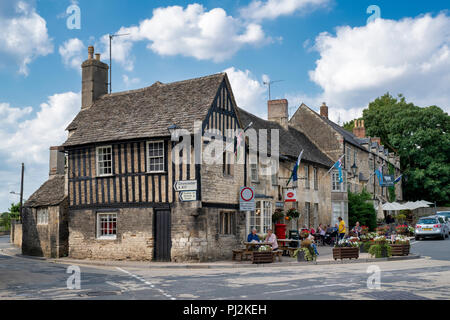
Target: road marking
(147,283)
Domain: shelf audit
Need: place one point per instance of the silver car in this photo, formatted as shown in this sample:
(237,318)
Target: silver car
(433,226)
(446,216)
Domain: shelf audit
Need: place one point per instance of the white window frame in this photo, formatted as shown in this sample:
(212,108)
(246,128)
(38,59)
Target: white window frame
(97,161)
(98,231)
(42,216)
(316,178)
(307,182)
(348,158)
(253,170)
(335,181)
(154,157)
(262,214)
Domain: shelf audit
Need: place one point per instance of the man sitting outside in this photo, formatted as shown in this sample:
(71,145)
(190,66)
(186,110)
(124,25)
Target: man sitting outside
(253,236)
(272,239)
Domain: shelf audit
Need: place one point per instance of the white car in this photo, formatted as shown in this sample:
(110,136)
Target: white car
(446,216)
(433,226)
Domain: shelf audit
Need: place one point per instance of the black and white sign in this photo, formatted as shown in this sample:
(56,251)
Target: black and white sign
(186,185)
(247,199)
(186,196)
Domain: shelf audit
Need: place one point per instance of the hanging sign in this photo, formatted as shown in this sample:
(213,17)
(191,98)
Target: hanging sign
(187,185)
(290,195)
(388,181)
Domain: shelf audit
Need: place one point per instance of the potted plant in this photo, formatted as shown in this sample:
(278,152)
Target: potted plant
(382,230)
(277,216)
(364,230)
(380,248)
(346,249)
(401,229)
(305,252)
(262,255)
(304,234)
(400,246)
(292,214)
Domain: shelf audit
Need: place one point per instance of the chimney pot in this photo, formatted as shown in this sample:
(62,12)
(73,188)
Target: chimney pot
(324,110)
(91,52)
(57,161)
(97,56)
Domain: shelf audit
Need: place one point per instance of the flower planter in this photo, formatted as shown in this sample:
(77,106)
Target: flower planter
(262,257)
(345,253)
(400,249)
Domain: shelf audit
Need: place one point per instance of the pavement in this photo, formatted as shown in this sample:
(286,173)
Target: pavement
(425,277)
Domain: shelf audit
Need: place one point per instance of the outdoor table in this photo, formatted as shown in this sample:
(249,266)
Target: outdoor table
(248,245)
(281,243)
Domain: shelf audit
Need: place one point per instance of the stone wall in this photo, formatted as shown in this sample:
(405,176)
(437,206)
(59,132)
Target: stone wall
(16,234)
(49,240)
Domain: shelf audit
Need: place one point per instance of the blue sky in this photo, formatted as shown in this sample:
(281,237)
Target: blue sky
(323,50)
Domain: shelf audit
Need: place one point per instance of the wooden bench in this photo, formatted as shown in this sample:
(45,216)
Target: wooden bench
(236,253)
(276,254)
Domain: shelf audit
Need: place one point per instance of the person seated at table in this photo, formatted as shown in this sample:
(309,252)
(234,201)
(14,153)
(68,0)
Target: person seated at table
(357,229)
(253,236)
(272,239)
(321,230)
(312,231)
(313,244)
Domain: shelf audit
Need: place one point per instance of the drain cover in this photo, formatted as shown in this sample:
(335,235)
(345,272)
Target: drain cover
(102,293)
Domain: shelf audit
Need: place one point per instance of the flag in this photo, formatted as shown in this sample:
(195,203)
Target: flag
(379,173)
(338,165)
(294,176)
(398,179)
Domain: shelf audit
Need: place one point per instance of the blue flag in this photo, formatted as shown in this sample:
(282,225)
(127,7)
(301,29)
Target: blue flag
(294,176)
(398,179)
(338,165)
(379,173)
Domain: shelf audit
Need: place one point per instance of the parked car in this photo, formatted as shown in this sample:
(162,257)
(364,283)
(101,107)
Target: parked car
(433,226)
(445,214)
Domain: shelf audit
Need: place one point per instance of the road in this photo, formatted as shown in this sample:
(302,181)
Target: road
(425,278)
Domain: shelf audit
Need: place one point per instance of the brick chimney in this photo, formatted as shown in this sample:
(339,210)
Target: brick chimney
(359,130)
(94,79)
(57,161)
(277,111)
(377,140)
(324,110)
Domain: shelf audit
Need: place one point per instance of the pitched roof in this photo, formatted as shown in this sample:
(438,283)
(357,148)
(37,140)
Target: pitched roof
(49,194)
(292,141)
(146,112)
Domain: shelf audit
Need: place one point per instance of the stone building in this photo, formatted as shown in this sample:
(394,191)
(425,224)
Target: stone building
(45,223)
(362,156)
(313,187)
(121,172)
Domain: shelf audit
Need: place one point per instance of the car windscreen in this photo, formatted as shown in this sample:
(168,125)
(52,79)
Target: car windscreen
(427,221)
(444,214)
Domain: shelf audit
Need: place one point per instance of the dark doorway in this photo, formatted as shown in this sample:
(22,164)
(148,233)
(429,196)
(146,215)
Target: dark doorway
(163,237)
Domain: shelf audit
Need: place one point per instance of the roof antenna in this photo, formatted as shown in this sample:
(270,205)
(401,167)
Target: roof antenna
(269,83)
(111,37)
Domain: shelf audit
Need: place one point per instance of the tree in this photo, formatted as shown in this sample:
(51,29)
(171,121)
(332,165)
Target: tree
(349,126)
(12,214)
(360,209)
(421,136)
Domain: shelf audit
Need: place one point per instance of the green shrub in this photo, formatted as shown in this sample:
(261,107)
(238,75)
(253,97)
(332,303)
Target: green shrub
(376,250)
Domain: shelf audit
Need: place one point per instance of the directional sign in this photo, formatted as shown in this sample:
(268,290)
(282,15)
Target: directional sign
(186,185)
(186,196)
(247,199)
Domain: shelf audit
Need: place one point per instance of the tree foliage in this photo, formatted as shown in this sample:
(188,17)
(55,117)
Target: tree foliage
(360,209)
(421,136)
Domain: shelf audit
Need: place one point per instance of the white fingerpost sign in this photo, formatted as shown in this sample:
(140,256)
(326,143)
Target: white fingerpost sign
(186,185)
(186,196)
(247,199)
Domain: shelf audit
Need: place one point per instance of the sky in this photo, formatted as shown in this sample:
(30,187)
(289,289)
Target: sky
(345,53)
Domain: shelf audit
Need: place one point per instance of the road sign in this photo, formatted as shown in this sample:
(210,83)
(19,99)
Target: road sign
(186,185)
(247,199)
(290,195)
(186,196)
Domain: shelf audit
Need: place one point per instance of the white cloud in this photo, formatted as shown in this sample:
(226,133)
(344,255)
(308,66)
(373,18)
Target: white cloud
(129,82)
(72,52)
(192,32)
(250,94)
(23,35)
(272,9)
(30,139)
(410,56)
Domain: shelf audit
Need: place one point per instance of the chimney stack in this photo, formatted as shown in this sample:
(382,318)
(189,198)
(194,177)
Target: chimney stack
(277,111)
(57,161)
(359,130)
(377,140)
(324,110)
(94,79)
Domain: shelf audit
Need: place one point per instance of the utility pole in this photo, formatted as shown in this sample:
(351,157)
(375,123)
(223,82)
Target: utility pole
(21,193)
(111,37)
(269,84)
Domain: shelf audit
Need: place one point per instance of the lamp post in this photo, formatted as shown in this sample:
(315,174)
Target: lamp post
(354,168)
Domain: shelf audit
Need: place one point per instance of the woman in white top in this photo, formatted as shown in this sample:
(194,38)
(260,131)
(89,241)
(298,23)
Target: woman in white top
(272,239)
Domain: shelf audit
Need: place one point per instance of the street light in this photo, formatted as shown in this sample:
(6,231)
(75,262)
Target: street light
(172,129)
(354,168)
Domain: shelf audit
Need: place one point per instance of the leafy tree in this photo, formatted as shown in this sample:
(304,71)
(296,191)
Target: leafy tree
(360,209)
(349,126)
(6,217)
(421,136)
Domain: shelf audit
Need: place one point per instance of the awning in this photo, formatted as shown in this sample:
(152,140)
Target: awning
(416,205)
(393,206)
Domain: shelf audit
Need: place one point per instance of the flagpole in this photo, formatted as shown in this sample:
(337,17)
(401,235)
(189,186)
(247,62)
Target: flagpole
(335,163)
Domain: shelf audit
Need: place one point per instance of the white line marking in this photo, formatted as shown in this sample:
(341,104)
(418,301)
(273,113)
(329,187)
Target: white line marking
(147,283)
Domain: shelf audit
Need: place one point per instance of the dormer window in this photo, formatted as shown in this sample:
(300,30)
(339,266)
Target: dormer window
(104,161)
